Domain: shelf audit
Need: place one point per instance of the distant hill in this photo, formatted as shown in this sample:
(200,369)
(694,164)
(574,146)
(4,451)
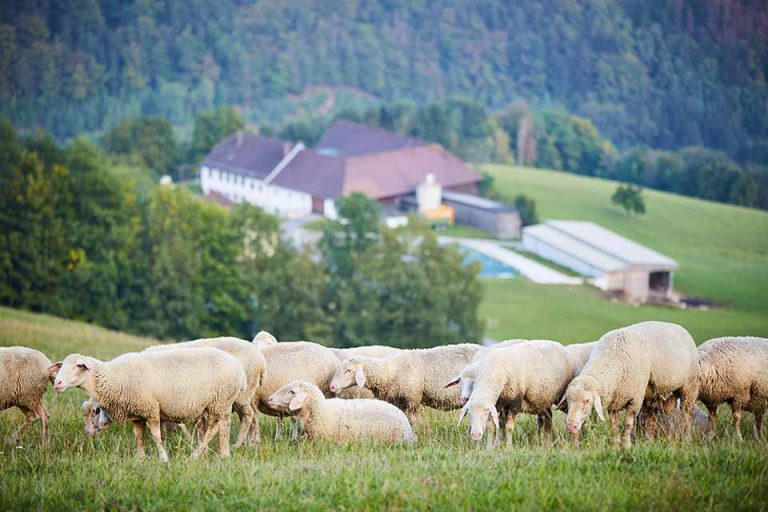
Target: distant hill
(661,73)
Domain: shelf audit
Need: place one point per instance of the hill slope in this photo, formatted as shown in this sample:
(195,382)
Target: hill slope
(722,251)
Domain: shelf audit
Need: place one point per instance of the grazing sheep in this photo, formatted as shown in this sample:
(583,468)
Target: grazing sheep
(409,379)
(253,363)
(146,387)
(528,377)
(367,351)
(734,370)
(290,361)
(25,377)
(633,366)
(340,420)
(97,421)
(466,378)
(579,354)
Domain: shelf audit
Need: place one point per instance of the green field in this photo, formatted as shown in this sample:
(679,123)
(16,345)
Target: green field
(722,251)
(442,471)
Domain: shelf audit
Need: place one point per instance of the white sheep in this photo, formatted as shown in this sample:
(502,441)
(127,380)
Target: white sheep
(290,361)
(177,385)
(528,377)
(409,379)
(735,370)
(466,378)
(629,367)
(340,420)
(579,354)
(264,339)
(367,351)
(255,366)
(25,377)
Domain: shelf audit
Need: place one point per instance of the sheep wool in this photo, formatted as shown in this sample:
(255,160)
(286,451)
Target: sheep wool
(735,370)
(25,377)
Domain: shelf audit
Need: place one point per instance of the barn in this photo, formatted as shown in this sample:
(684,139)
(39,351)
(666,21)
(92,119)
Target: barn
(611,262)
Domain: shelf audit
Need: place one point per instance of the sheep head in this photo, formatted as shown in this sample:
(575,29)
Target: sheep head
(582,394)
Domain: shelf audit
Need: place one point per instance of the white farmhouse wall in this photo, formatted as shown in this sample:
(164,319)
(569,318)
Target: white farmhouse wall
(236,187)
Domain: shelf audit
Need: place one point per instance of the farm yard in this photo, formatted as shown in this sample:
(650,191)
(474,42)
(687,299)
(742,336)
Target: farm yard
(444,469)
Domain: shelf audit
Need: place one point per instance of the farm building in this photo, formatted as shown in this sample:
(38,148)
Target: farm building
(612,262)
(293,181)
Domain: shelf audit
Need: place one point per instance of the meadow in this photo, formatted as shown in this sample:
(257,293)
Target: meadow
(722,251)
(443,470)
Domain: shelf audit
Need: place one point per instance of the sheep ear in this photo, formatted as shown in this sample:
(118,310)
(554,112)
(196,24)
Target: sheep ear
(54,369)
(462,414)
(562,401)
(360,377)
(598,406)
(83,364)
(494,414)
(455,381)
(105,420)
(298,401)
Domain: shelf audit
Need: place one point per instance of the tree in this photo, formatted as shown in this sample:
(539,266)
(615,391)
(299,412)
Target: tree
(526,207)
(211,128)
(629,197)
(146,141)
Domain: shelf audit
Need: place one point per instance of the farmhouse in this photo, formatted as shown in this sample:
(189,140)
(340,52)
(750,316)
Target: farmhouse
(612,262)
(293,181)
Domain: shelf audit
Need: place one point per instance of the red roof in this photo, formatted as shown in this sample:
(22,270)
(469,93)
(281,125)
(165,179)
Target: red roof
(346,139)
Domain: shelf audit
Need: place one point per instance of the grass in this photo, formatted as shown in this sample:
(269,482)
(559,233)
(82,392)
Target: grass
(722,251)
(442,471)
(464,231)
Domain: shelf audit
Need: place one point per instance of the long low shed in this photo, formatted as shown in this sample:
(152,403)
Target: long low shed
(612,262)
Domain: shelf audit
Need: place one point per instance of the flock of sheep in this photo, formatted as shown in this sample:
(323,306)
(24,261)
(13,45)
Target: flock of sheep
(650,370)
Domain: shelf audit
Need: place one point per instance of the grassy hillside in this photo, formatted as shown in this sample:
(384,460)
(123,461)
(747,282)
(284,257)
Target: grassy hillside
(722,251)
(443,470)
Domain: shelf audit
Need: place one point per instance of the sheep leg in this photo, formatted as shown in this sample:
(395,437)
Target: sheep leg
(254,437)
(509,426)
(712,417)
(546,422)
(278,427)
(501,432)
(759,425)
(613,418)
(43,415)
(629,423)
(138,433)
(224,427)
(651,423)
(156,430)
(245,413)
(736,406)
(295,429)
(187,435)
(206,440)
(688,396)
(30,417)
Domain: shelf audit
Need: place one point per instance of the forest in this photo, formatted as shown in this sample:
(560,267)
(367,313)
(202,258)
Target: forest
(658,74)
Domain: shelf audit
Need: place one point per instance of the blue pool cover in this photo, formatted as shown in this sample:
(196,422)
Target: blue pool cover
(490,267)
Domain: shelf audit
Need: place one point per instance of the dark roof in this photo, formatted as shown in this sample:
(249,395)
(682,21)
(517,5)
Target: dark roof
(472,201)
(313,173)
(394,173)
(248,154)
(346,139)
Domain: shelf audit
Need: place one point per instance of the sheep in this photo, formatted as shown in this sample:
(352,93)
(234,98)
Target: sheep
(579,354)
(340,420)
(735,370)
(289,361)
(366,350)
(145,387)
(528,377)
(255,366)
(264,339)
(466,378)
(409,379)
(632,367)
(25,378)
(97,421)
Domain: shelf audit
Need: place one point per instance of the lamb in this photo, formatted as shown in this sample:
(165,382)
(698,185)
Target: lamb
(146,387)
(290,361)
(255,366)
(528,377)
(735,370)
(369,351)
(340,420)
(409,379)
(632,367)
(25,378)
